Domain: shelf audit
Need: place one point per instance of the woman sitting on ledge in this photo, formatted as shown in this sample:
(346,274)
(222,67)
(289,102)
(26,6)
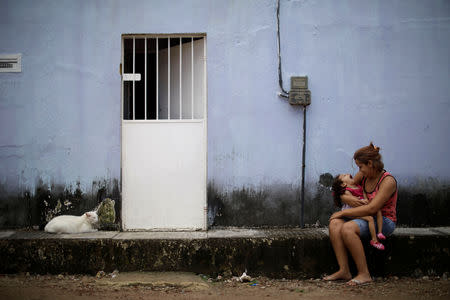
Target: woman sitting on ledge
(345,234)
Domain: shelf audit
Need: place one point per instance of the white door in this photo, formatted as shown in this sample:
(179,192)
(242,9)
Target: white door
(164,132)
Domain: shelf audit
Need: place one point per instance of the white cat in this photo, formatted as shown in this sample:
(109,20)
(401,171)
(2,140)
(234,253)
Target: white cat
(73,224)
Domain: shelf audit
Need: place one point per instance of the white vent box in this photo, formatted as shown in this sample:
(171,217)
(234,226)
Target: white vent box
(10,63)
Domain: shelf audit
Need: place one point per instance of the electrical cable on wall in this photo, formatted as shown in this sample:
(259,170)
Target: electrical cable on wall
(283,93)
(299,95)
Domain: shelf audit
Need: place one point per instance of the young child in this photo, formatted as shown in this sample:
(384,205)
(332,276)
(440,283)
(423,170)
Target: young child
(345,184)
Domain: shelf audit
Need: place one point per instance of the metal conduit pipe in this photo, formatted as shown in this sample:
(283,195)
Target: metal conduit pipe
(302,195)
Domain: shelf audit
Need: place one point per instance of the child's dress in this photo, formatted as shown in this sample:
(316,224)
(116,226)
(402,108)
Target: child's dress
(357,192)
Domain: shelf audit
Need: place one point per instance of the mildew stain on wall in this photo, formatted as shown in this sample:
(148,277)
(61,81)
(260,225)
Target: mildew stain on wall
(33,209)
(279,205)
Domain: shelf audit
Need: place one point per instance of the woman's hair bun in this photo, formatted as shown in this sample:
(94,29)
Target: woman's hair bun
(375,147)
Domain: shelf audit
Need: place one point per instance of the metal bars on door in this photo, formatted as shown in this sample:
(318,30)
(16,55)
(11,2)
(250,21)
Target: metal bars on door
(163,77)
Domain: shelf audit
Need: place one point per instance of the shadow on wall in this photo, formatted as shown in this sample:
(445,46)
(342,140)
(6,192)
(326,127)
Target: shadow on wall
(27,210)
(279,205)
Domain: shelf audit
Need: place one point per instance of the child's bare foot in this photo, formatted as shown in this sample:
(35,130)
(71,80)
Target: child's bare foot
(360,280)
(339,275)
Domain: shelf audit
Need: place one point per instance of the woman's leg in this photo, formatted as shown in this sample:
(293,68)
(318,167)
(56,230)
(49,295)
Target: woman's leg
(371,223)
(337,242)
(352,241)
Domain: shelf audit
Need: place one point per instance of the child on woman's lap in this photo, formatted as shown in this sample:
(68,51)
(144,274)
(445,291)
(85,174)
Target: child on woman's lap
(345,184)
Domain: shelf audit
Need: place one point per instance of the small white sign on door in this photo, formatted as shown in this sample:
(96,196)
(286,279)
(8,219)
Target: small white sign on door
(131,77)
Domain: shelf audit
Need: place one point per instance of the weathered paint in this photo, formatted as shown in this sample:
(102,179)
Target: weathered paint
(423,204)
(378,70)
(269,206)
(36,208)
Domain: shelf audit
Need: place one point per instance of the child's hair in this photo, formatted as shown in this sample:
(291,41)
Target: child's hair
(372,153)
(338,190)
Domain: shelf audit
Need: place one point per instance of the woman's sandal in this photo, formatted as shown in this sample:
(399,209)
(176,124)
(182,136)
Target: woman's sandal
(377,245)
(381,236)
(356,282)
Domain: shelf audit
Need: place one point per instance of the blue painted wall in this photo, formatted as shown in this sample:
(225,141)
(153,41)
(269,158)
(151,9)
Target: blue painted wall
(378,71)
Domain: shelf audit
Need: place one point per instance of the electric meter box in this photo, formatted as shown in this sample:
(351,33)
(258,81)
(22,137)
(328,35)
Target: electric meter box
(299,93)
(299,82)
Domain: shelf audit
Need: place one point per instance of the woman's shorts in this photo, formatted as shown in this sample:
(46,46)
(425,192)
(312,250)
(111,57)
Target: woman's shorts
(388,227)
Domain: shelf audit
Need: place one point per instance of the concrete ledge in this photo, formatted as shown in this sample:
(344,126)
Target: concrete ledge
(300,253)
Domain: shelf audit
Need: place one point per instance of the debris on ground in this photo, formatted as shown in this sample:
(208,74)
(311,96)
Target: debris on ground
(114,274)
(244,277)
(100,274)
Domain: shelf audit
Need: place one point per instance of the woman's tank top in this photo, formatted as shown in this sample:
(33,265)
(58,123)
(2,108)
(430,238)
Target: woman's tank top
(389,208)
